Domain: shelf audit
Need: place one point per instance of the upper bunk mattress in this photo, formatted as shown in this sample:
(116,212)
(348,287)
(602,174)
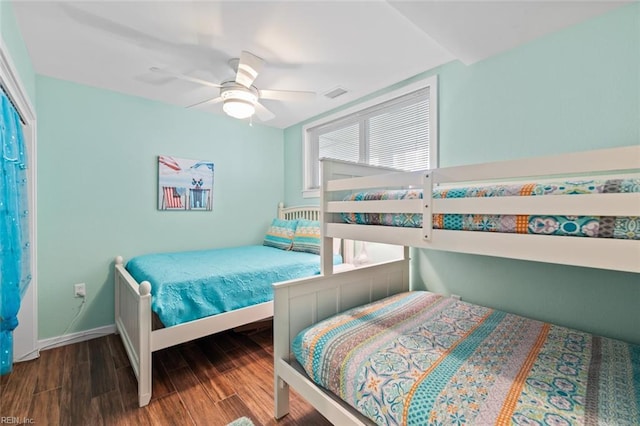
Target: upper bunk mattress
(189,285)
(419,358)
(582,226)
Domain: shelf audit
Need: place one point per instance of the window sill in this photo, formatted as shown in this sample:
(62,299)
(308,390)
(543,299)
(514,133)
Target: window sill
(311,193)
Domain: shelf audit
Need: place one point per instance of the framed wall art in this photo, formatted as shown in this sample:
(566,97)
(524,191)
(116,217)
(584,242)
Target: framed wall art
(184,184)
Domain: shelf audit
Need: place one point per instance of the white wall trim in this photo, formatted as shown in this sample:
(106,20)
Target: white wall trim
(80,336)
(11,81)
(26,334)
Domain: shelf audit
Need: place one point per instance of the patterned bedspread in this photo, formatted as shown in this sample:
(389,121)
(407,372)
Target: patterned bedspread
(581,226)
(422,359)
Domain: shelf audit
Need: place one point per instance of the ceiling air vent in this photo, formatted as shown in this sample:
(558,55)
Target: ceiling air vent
(338,91)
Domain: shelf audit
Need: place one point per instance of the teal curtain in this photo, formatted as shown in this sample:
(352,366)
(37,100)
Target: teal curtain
(14,227)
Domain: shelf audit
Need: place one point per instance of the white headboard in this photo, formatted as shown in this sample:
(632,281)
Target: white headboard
(299,212)
(312,213)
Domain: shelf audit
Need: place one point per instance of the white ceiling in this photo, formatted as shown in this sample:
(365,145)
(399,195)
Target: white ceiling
(361,46)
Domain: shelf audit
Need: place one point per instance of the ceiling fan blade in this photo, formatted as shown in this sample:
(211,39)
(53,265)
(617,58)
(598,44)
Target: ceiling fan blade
(207,102)
(196,55)
(184,77)
(95,21)
(287,95)
(263,113)
(248,68)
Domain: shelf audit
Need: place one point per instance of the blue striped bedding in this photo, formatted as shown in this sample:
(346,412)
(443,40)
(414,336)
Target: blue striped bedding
(190,285)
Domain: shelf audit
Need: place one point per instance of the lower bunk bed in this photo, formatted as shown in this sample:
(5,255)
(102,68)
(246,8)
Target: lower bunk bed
(162,300)
(362,349)
(459,363)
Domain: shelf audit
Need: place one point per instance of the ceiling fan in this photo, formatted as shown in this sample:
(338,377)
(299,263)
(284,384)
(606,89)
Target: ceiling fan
(239,97)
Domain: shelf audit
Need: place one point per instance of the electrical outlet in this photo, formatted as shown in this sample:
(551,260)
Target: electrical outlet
(79,290)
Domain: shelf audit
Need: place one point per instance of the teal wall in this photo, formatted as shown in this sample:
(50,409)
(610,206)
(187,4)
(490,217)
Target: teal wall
(574,90)
(97,175)
(571,91)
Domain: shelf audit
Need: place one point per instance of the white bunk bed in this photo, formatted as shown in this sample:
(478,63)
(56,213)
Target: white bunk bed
(302,303)
(570,251)
(133,315)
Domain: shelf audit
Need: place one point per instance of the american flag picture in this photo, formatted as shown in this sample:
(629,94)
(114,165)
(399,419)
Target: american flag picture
(172,198)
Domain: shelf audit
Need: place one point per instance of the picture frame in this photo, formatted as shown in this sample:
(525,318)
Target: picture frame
(185,184)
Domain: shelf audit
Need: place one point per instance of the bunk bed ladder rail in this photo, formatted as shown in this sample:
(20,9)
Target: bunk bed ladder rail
(427,217)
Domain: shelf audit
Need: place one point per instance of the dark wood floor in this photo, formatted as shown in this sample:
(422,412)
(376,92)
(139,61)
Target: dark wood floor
(210,381)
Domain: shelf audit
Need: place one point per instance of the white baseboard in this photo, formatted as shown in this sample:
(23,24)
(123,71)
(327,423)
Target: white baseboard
(28,356)
(80,336)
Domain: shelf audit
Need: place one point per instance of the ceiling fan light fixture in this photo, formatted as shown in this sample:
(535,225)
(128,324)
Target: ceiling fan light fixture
(238,108)
(238,101)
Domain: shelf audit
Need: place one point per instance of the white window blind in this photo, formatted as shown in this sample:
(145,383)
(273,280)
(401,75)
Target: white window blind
(399,136)
(394,133)
(342,143)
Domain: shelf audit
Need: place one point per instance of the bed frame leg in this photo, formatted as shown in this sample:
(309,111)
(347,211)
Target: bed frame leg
(144,380)
(144,370)
(143,400)
(281,398)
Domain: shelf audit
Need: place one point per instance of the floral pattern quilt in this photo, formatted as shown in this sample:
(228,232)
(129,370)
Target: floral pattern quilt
(419,358)
(581,226)
(189,285)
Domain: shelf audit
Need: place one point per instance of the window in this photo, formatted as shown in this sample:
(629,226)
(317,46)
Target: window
(398,129)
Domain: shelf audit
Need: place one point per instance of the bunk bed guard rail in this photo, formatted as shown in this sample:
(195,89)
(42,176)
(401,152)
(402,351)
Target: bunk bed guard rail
(341,178)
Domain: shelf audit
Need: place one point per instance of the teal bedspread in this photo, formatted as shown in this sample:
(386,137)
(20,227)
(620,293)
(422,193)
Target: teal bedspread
(189,285)
(422,359)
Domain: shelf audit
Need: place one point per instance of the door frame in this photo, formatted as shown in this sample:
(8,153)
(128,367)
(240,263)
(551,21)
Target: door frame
(25,338)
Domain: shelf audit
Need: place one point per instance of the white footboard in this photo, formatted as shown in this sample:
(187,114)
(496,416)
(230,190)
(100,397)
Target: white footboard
(301,303)
(133,321)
